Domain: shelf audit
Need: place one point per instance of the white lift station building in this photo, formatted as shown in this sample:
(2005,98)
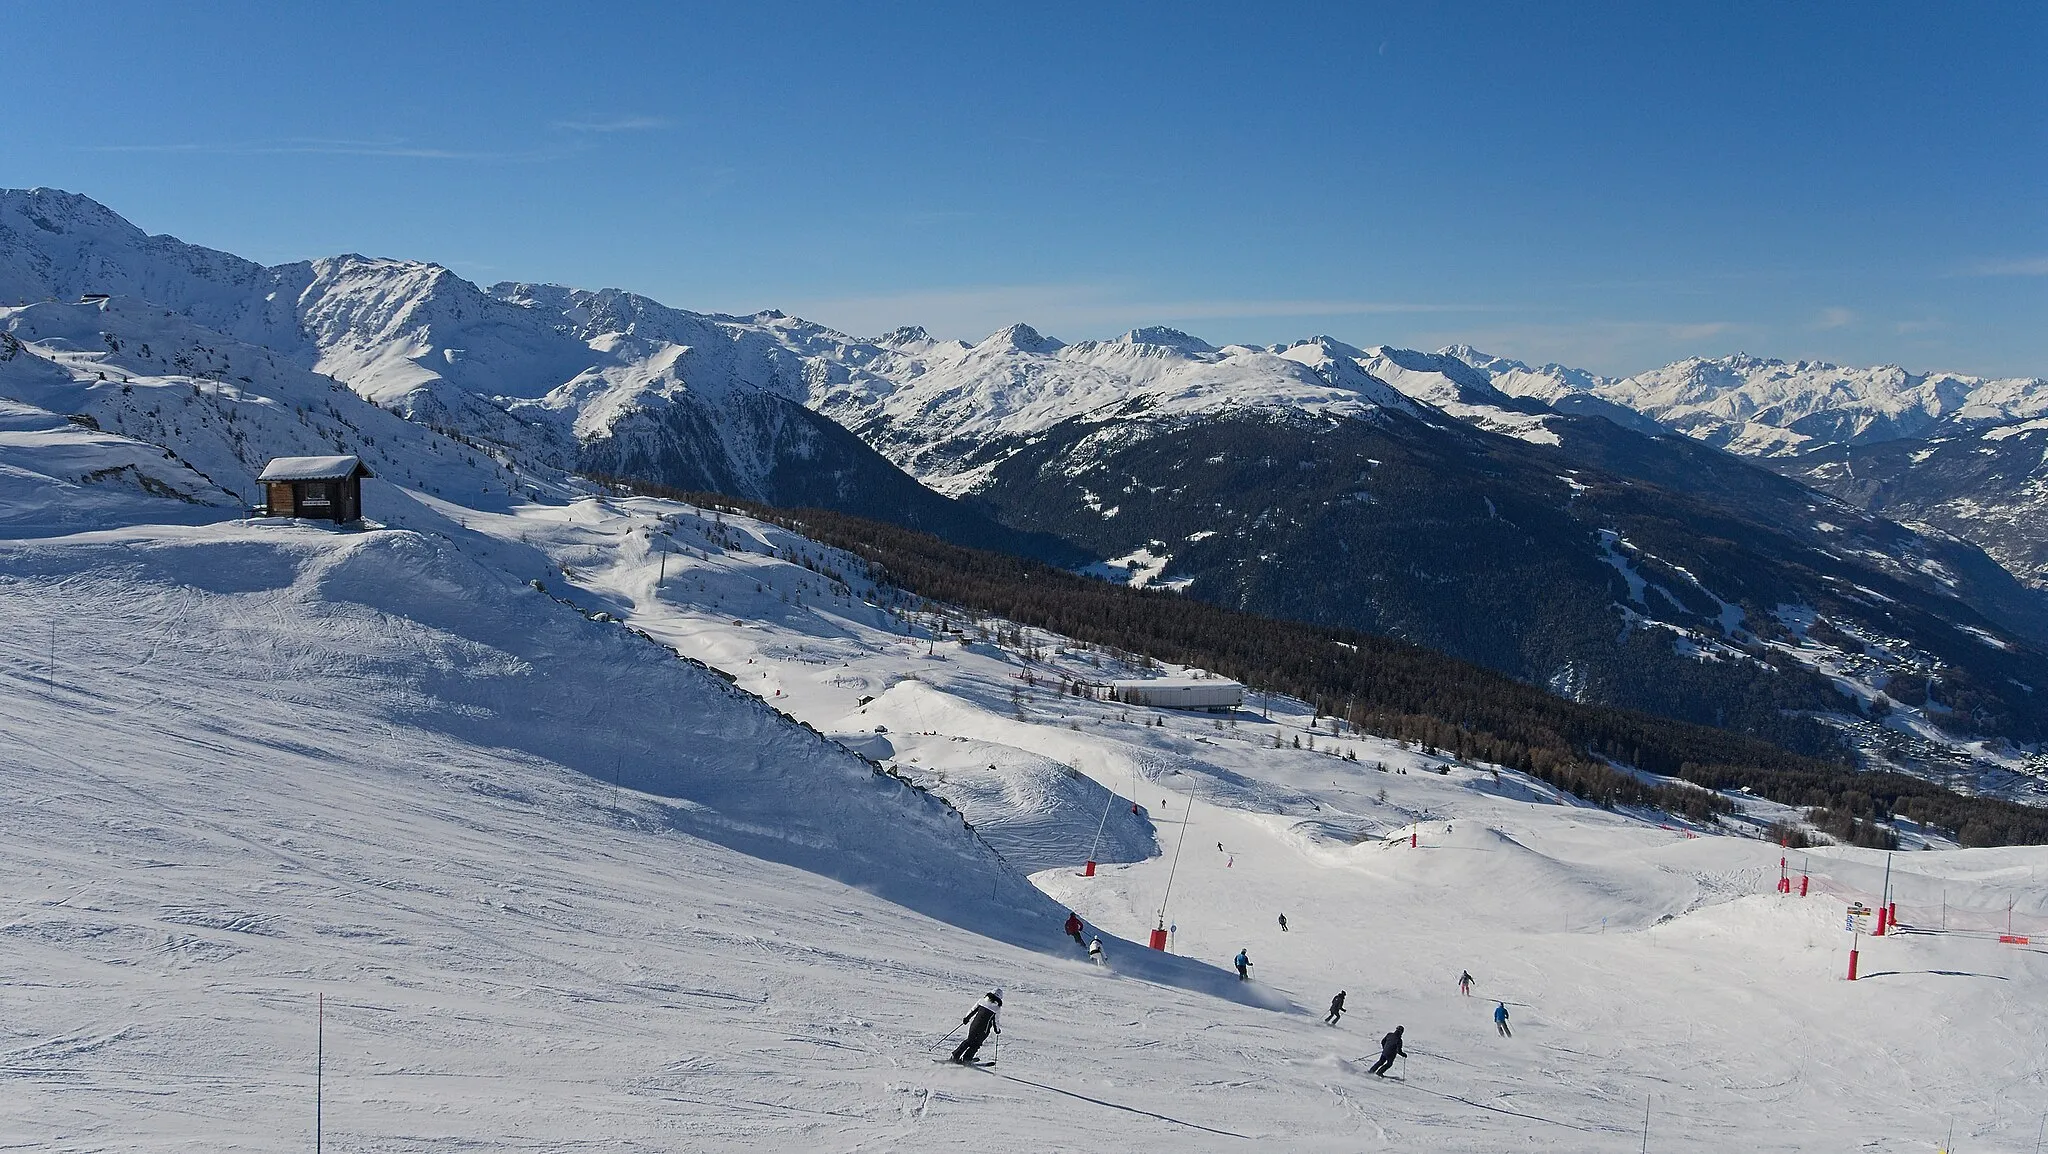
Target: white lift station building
(1216,693)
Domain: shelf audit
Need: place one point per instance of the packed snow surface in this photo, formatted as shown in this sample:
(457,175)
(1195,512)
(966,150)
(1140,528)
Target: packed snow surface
(558,887)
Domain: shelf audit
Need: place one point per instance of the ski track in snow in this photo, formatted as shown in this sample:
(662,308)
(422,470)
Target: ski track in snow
(266,761)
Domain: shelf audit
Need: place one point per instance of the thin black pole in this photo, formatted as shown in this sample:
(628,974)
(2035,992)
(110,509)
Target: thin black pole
(1102,824)
(1185,822)
(319,1065)
(1646,1124)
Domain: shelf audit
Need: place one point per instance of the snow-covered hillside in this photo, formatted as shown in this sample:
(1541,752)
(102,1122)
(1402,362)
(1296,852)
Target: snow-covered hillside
(559,887)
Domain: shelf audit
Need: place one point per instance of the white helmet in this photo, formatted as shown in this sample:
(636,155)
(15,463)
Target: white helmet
(996,993)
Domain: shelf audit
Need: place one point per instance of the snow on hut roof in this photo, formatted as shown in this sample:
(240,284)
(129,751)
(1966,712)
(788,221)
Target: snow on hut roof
(312,469)
(1162,683)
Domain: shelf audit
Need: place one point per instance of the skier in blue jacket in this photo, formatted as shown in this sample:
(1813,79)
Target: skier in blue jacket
(1500,1019)
(1243,963)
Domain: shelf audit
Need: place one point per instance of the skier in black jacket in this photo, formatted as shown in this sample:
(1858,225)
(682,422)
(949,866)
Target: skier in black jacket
(1336,1008)
(1390,1049)
(979,1021)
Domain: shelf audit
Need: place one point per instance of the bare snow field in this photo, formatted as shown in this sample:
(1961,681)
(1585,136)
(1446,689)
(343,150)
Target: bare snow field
(562,890)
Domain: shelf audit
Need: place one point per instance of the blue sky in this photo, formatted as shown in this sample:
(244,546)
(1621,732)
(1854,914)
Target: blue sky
(1612,186)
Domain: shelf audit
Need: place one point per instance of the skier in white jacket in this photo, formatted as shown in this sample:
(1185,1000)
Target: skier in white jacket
(979,1021)
(1095,951)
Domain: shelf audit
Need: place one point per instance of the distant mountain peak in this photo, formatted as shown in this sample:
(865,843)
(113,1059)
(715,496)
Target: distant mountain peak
(1161,336)
(57,211)
(904,335)
(1022,338)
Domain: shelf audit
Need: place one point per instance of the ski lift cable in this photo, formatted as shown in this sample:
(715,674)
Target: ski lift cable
(1187,820)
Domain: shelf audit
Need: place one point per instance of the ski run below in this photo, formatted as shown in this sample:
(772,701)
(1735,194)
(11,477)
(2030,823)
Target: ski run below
(559,889)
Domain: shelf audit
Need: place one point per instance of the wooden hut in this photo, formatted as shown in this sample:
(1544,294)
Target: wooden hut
(320,488)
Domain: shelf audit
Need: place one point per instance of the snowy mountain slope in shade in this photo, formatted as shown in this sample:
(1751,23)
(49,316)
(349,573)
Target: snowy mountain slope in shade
(1986,485)
(64,475)
(1762,407)
(1947,451)
(224,407)
(428,646)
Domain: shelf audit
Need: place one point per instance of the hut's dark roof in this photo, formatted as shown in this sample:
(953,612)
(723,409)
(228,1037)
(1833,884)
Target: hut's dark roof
(313,469)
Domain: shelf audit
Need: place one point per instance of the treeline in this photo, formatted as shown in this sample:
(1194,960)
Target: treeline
(1394,689)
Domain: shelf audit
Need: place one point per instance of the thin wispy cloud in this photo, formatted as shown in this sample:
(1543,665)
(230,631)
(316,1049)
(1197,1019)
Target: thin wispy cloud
(388,148)
(2011,266)
(1077,311)
(614,124)
(1834,318)
(1614,347)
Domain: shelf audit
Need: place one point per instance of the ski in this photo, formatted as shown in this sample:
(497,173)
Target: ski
(951,1062)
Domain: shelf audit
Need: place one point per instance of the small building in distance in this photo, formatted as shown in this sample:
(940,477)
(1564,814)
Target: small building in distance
(1214,693)
(320,488)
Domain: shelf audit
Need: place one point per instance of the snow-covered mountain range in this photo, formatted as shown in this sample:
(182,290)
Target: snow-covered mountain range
(1768,408)
(1950,451)
(1464,501)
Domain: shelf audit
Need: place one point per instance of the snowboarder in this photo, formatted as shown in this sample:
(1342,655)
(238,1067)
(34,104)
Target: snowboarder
(1336,1009)
(1243,962)
(1465,983)
(1390,1049)
(1074,928)
(979,1021)
(1095,951)
(1500,1019)
(1283,923)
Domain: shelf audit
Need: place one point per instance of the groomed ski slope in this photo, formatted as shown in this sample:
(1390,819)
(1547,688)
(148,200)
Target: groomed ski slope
(267,762)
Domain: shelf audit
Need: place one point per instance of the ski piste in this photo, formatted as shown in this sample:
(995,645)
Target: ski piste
(879,914)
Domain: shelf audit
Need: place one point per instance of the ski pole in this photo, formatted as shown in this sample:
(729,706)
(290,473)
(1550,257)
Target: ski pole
(995,1049)
(946,1039)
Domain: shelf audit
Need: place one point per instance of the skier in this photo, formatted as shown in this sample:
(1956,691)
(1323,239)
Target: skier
(1500,1019)
(1283,923)
(1336,1009)
(1095,951)
(1465,983)
(1074,928)
(1243,962)
(979,1021)
(1390,1049)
